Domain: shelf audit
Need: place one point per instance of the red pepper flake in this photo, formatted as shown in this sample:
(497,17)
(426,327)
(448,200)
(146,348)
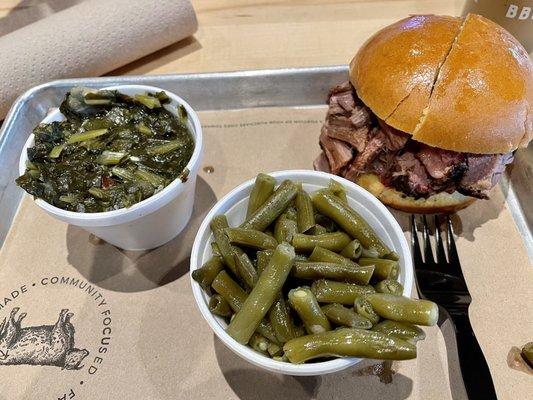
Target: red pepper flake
(107,182)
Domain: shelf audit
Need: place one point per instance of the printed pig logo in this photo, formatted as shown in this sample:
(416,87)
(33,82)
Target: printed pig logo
(40,345)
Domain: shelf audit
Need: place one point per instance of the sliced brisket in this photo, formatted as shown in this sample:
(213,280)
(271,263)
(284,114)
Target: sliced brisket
(355,141)
(410,176)
(339,121)
(321,163)
(396,140)
(337,152)
(360,117)
(364,158)
(345,100)
(484,172)
(356,137)
(343,87)
(442,164)
(382,165)
(347,119)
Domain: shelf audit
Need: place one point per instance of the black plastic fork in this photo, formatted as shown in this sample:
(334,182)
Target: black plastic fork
(442,282)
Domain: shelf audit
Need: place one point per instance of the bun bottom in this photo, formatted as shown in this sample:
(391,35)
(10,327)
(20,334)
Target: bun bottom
(439,203)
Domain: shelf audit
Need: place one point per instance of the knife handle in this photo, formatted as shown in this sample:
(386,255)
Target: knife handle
(474,368)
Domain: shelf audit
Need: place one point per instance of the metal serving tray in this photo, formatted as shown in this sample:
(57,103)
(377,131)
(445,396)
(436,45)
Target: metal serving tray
(217,91)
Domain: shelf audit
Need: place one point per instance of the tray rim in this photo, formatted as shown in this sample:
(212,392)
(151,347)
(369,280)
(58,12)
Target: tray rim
(10,120)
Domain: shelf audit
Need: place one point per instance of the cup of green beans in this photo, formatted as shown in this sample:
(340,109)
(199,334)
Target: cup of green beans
(305,273)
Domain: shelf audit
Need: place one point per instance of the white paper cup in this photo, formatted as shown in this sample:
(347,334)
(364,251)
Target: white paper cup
(151,222)
(234,205)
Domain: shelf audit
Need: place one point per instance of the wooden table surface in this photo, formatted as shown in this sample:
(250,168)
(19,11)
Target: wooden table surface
(257,34)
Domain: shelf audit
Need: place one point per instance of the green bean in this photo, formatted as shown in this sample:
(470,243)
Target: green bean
(111,157)
(251,238)
(282,358)
(230,290)
(404,309)
(262,295)
(299,330)
(169,146)
(349,220)
(349,342)
(335,241)
(353,250)
(263,258)
(300,257)
(389,286)
(267,331)
(284,229)
(338,190)
(291,213)
(527,353)
(366,253)
(317,230)
(259,343)
(245,268)
(326,222)
(235,296)
(215,249)
(270,233)
(281,320)
(87,135)
(208,272)
(274,350)
(340,315)
(218,225)
(363,307)
(383,269)
(306,306)
(305,213)
(392,256)
(403,330)
(219,306)
(272,208)
(338,272)
(327,291)
(323,255)
(262,190)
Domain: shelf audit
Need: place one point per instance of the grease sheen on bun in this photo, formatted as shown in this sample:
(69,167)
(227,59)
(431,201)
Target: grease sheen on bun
(457,84)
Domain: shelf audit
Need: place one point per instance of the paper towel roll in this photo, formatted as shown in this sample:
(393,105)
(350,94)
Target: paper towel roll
(89,39)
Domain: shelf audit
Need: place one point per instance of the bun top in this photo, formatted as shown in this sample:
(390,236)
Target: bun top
(458,84)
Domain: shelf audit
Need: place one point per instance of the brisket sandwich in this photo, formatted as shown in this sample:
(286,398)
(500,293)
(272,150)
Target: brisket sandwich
(433,110)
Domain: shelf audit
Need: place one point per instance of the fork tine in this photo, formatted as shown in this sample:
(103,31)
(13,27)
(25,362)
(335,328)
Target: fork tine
(428,253)
(452,249)
(441,256)
(415,245)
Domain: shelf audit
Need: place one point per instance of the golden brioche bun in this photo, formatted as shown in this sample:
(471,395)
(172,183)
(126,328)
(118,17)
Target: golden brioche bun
(439,203)
(461,84)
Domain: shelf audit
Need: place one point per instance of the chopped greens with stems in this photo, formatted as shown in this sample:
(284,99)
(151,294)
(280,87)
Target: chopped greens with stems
(110,152)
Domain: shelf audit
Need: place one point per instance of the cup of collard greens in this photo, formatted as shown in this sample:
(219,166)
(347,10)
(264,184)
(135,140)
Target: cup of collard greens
(120,162)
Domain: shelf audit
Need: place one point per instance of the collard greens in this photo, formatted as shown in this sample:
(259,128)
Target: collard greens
(110,152)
